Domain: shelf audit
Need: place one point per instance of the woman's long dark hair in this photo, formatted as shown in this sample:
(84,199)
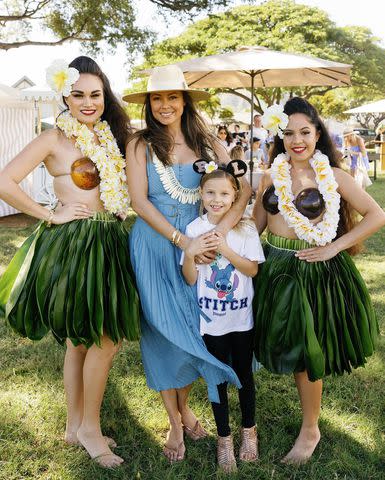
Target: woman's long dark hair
(229,138)
(194,130)
(326,146)
(113,114)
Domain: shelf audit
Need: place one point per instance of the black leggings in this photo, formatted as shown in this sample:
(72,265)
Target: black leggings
(235,348)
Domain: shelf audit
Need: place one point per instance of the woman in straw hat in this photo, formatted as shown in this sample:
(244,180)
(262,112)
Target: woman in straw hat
(72,276)
(164,191)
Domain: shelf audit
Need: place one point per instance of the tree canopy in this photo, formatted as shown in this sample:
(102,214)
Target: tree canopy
(291,27)
(86,21)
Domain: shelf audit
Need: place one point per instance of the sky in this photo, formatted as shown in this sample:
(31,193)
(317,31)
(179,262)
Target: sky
(32,61)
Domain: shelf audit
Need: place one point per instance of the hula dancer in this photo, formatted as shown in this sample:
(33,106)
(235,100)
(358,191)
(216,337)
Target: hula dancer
(72,275)
(314,316)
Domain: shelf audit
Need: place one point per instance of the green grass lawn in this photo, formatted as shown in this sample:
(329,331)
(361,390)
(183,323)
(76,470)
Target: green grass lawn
(32,409)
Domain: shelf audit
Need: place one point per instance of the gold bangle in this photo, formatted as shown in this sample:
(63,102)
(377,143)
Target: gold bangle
(173,236)
(177,240)
(50,218)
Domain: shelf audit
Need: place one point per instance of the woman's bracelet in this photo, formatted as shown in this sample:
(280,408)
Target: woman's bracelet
(177,240)
(50,217)
(173,236)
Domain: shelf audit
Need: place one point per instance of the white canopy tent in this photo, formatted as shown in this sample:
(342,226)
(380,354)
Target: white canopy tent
(373,107)
(16,130)
(21,112)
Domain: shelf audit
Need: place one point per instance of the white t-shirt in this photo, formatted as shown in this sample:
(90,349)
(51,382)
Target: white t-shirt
(225,294)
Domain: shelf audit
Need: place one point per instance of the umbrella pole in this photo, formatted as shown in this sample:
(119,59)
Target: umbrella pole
(251,163)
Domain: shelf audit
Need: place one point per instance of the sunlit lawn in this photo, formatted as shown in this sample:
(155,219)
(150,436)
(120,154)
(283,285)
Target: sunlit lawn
(32,409)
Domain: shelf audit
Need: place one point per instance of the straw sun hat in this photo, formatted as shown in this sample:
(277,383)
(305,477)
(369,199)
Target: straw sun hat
(163,79)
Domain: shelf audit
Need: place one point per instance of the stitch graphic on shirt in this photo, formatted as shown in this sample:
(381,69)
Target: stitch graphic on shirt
(220,281)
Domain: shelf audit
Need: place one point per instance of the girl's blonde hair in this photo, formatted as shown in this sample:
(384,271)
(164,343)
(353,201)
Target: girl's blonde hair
(237,153)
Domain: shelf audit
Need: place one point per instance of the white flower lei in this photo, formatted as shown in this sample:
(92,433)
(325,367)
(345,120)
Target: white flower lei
(171,184)
(324,231)
(106,156)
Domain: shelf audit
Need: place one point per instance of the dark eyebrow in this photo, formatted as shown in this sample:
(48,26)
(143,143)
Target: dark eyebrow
(81,91)
(288,129)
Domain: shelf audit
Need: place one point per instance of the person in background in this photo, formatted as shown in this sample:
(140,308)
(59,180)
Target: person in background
(239,137)
(258,154)
(354,147)
(237,153)
(225,138)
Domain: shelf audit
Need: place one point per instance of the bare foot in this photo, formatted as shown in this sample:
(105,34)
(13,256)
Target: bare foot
(174,448)
(304,446)
(191,425)
(98,450)
(72,439)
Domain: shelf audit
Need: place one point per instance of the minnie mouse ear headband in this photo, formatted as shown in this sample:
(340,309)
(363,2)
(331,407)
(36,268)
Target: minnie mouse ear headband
(236,168)
(164,79)
(60,77)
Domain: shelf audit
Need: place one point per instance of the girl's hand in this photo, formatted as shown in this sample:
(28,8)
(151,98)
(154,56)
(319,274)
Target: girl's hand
(318,254)
(206,257)
(222,244)
(201,244)
(69,212)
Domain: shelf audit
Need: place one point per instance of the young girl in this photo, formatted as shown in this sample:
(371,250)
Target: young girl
(314,316)
(225,292)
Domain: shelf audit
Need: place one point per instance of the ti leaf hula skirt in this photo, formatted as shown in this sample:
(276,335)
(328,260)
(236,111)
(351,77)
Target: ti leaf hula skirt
(316,317)
(74,280)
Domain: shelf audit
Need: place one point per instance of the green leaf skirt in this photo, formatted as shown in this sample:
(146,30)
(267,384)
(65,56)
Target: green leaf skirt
(74,280)
(316,317)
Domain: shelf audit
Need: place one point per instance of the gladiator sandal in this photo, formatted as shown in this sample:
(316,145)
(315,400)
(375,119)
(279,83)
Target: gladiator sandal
(249,445)
(225,454)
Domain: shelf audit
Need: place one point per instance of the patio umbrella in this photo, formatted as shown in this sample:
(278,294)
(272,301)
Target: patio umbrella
(254,67)
(373,107)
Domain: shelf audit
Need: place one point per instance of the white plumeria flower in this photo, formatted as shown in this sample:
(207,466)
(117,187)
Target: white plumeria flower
(60,77)
(211,167)
(275,120)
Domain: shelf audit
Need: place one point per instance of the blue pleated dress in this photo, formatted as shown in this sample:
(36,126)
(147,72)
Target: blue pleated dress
(173,352)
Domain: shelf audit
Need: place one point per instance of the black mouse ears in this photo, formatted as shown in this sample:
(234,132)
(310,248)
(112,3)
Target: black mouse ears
(236,168)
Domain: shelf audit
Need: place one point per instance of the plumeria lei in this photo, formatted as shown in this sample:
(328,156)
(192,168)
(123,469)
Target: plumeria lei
(60,77)
(324,231)
(275,120)
(106,156)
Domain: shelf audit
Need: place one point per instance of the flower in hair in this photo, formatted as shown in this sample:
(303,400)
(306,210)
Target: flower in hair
(211,167)
(60,77)
(275,120)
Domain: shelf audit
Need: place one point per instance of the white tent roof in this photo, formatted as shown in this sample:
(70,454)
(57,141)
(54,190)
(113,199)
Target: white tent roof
(8,94)
(39,93)
(373,107)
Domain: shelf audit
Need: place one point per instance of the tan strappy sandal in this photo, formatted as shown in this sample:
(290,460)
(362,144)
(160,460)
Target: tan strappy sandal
(249,445)
(225,454)
(195,433)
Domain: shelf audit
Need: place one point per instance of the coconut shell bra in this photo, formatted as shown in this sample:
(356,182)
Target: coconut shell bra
(84,173)
(309,202)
